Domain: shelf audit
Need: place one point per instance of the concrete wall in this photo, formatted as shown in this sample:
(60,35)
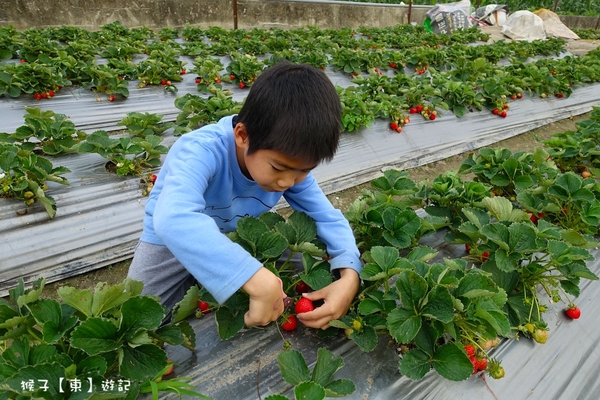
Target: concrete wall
(156,14)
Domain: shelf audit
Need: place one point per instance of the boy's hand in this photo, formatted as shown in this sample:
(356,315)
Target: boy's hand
(337,298)
(266,298)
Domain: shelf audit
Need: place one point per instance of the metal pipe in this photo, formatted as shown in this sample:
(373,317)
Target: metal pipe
(235,14)
(410,3)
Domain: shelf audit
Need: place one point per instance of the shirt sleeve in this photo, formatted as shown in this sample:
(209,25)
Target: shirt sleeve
(219,264)
(332,227)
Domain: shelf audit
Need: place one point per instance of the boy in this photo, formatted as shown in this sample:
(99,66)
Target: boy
(240,166)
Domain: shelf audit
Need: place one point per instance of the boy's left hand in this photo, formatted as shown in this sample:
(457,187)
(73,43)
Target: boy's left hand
(337,297)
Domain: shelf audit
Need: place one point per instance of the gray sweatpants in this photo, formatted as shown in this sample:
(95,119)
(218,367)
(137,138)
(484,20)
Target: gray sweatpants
(162,274)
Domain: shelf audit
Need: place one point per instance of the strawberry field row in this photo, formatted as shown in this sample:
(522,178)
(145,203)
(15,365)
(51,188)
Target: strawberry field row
(396,72)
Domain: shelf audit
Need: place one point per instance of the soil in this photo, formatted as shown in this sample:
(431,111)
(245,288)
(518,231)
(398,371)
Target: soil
(528,141)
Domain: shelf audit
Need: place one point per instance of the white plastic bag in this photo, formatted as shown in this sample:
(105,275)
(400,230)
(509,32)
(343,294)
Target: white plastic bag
(524,25)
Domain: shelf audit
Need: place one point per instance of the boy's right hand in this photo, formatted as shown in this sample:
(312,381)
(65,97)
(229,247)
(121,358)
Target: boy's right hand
(266,298)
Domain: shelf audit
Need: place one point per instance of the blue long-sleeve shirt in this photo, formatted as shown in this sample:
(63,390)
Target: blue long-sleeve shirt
(200,194)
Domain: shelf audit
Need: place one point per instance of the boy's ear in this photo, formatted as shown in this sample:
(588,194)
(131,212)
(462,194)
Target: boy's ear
(240,135)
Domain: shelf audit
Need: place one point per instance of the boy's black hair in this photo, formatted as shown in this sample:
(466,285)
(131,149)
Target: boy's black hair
(295,110)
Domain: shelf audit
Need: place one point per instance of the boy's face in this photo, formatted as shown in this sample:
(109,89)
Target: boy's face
(271,170)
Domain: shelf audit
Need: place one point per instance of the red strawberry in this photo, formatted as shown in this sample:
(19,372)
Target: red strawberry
(495,111)
(170,369)
(432,117)
(506,106)
(217,80)
(303,305)
(485,255)
(198,80)
(232,76)
(44,95)
(242,85)
(163,82)
(111,97)
(37,96)
(573,312)
(394,126)
(302,287)
(503,114)
(481,364)
(519,95)
(23,60)
(470,349)
(152,178)
(399,129)
(51,93)
(412,110)
(468,248)
(204,307)
(419,108)
(290,323)
(183,72)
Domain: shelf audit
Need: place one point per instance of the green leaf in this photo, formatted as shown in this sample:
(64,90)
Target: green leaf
(309,391)
(522,238)
(326,366)
(49,372)
(107,297)
(293,367)
(415,364)
(271,245)
(340,388)
(140,313)
(142,362)
(317,279)
(365,340)
(187,306)
(80,300)
(451,362)
(495,318)
(228,322)
(499,207)
(304,225)
(403,324)
(439,305)
(497,233)
(95,335)
(412,289)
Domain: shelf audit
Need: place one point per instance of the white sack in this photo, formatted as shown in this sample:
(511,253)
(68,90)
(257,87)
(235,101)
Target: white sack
(524,25)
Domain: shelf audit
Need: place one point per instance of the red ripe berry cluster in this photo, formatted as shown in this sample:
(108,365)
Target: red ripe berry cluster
(501,111)
(429,113)
(44,95)
(399,124)
(478,364)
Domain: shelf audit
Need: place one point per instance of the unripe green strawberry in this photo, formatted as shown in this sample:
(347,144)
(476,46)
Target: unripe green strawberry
(540,335)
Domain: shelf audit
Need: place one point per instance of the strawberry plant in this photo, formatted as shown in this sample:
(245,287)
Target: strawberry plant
(197,111)
(109,334)
(162,65)
(447,194)
(52,133)
(7,86)
(569,201)
(383,216)
(577,151)
(144,124)
(107,80)
(317,384)
(23,176)
(266,238)
(126,156)
(208,71)
(507,172)
(244,68)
